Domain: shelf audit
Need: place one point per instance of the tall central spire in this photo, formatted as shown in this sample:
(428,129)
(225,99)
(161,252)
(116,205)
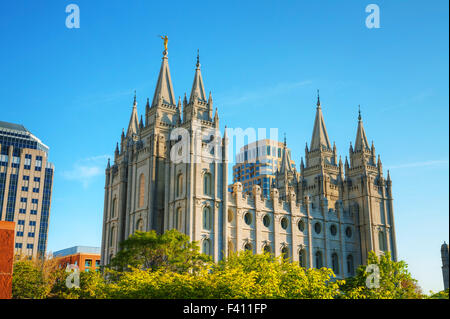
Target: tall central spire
(320,135)
(198,90)
(286,160)
(361,142)
(164,88)
(134,122)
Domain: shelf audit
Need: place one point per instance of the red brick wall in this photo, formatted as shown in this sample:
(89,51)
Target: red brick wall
(6,258)
(80,259)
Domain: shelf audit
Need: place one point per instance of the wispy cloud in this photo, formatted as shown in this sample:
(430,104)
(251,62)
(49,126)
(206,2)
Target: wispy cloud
(263,93)
(105,98)
(86,170)
(420,164)
(420,97)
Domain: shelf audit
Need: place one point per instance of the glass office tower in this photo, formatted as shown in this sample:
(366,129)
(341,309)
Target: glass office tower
(257,163)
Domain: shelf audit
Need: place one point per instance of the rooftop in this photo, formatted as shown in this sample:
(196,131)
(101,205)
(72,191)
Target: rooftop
(13,127)
(77,250)
(10,132)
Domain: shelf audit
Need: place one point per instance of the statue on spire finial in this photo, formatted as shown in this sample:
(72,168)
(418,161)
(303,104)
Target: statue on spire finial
(318,98)
(198,58)
(166,40)
(359,112)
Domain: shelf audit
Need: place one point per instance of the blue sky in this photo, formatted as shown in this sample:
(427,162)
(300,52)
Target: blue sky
(263,62)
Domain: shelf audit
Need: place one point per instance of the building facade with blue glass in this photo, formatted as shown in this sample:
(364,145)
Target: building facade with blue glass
(26,179)
(257,164)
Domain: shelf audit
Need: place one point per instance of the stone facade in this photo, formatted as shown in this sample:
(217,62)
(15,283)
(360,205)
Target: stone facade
(326,214)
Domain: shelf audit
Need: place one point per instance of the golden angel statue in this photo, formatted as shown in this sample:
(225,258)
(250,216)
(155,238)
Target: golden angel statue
(166,39)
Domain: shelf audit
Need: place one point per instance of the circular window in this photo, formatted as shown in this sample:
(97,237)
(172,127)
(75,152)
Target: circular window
(230,216)
(301,226)
(333,230)
(248,218)
(266,220)
(348,232)
(317,228)
(284,222)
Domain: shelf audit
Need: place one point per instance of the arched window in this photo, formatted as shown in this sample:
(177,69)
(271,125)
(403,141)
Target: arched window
(266,220)
(230,247)
(317,228)
(335,263)
(319,262)
(248,218)
(230,215)
(141,190)
(178,218)
(267,249)
(348,232)
(350,267)
(302,258)
(140,225)
(333,230)
(248,247)
(113,208)
(206,247)
(112,235)
(284,223)
(382,241)
(207,184)
(206,218)
(285,252)
(179,184)
(301,226)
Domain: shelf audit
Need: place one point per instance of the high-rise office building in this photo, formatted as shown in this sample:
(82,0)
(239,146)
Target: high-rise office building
(257,164)
(26,179)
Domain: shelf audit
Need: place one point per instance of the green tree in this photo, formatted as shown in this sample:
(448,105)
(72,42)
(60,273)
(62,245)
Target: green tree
(395,281)
(171,251)
(92,286)
(28,281)
(280,278)
(34,277)
(443,294)
(240,276)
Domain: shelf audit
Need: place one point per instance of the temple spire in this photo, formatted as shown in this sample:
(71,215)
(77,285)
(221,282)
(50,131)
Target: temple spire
(164,88)
(320,135)
(361,142)
(286,161)
(134,119)
(198,90)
